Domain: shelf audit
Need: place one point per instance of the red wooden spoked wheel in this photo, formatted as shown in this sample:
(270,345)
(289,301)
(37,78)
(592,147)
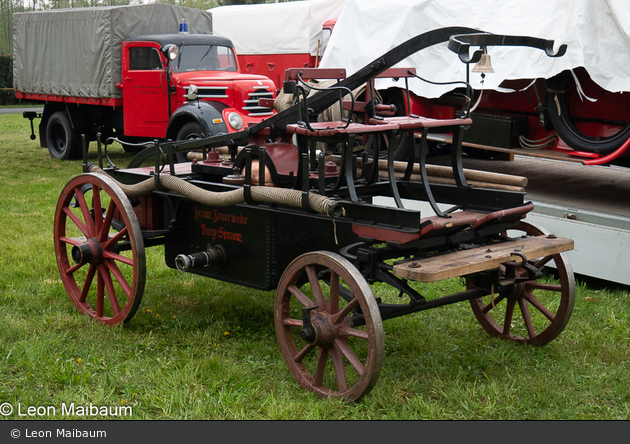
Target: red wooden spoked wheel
(99,249)
(535,312)
(333,358)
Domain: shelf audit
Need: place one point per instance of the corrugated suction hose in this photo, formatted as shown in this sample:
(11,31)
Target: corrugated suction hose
(282,196)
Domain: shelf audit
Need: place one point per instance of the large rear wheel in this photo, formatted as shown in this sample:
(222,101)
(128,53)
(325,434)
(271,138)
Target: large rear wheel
(99,248)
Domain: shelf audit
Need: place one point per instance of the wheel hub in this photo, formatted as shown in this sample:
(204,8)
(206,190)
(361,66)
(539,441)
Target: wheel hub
(516,291)
(89,252)
(321,331)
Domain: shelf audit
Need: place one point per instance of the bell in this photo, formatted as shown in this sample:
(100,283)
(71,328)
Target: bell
(483,65)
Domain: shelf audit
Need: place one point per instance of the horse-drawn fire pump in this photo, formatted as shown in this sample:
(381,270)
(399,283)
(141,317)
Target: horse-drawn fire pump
(278,213)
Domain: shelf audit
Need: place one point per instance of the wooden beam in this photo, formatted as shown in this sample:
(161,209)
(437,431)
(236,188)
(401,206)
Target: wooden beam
(478,259)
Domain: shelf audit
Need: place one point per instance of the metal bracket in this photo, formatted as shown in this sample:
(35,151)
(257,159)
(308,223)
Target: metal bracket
(415,298)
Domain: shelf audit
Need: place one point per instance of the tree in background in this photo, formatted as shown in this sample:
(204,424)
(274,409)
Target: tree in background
(7,8)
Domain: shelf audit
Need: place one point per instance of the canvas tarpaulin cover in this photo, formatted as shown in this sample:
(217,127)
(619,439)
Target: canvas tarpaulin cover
(78,51)
(597,33)
(275,28)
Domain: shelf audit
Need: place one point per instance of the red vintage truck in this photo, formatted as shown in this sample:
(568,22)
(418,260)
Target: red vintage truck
(128,72)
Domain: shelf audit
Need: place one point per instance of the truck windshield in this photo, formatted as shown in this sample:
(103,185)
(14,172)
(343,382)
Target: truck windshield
(204,58)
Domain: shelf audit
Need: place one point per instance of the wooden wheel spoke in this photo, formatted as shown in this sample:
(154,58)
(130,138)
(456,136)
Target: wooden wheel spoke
(345,311)
(509,313)
(322,360)
(100,294)
(352,358)
(115,271)
(72,240)
(333,299)
(118,257)
(297,293)
(87,284)
(337,360)
(541,286)
(114,239)
(107,222)
(303,353)
(109,286)
(539,306)
(316,288)
(74,268)
(344,331)
(492,304)
(98,210)
(87,217)
(78,222)
(522,303)
(542,262)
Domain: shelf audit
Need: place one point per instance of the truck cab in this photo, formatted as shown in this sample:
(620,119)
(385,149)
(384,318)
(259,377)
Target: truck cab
(200,92)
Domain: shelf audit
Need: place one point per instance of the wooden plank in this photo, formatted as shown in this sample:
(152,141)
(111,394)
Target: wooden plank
(447,172)
(449,181)
(478,259)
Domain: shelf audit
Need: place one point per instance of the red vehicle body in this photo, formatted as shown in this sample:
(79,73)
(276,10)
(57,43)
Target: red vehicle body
(274,65)
(155,100)
(559,123)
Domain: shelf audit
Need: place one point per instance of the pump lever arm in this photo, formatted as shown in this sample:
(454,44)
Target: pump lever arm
(461,44)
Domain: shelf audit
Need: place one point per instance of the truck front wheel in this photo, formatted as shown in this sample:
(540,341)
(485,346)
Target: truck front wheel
(191,130)
(63,142)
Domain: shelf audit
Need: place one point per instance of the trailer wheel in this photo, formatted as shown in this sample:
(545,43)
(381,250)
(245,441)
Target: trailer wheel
(63,142)
(356,353)
(562,94)
(99,249)
(535,312)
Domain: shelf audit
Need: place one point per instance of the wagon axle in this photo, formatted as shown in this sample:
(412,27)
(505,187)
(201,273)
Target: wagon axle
(89,252)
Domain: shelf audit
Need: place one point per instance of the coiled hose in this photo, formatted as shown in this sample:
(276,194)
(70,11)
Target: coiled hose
(283,196)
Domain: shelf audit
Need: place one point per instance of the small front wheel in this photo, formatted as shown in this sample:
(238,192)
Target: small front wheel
(534,312)
(325,351)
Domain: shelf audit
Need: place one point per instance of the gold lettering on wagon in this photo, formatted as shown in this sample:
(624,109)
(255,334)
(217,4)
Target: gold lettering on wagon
(217,216)
(220,234)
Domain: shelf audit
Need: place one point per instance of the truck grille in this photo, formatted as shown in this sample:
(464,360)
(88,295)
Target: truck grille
(250,105)
(216,92)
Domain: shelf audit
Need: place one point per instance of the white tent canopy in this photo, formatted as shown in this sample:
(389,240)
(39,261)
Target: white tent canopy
(597,33)
(275,28)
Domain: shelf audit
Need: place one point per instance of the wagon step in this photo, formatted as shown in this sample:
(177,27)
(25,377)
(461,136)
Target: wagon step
(478,259)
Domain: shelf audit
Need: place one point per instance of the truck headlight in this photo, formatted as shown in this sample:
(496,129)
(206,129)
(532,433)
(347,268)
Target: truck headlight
(235,120)
(170,52)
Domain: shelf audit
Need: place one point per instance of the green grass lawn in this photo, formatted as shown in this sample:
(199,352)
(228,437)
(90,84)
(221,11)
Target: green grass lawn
(203,349)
